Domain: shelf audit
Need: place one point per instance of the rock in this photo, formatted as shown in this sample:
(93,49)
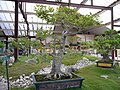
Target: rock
(12,59)
(104,76)
(32,74)
(32,61)
(85,59)
(118,77)
(10,64)
(21,77)
(1,77)
(27,77)
(10,78)
(17,80)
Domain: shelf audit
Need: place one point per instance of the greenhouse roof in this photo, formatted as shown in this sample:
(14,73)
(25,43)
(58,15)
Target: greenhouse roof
(103,8)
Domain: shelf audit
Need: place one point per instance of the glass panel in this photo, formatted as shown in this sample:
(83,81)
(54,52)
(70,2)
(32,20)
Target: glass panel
(116,11)
(102,2)
(2,17)
(105,17)
(7,17)
(7,25)
(117,28)
(86,11)
(2,26)
(31,33)
(76,1)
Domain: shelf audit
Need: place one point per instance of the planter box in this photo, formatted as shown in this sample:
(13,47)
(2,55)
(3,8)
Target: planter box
(58,84)
(105,64)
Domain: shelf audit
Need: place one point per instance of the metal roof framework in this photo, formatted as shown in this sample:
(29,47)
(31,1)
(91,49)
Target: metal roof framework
(23,28)
(15,27)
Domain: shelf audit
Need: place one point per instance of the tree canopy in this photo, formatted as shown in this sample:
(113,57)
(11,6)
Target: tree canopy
(107,42)
(66,15)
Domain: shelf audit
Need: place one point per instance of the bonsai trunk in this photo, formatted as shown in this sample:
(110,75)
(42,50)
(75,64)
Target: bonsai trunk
(106,57)
(57,58)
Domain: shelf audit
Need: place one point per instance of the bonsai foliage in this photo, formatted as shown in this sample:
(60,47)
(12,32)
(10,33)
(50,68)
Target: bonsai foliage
(22,43)
(68,18)
(107,42)
(41,36)
(68,15)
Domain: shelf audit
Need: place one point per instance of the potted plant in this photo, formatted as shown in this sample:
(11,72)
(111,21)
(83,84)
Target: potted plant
(65,18)
(105,44)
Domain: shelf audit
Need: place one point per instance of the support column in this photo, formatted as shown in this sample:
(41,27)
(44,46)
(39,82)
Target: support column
(112,23)
(6,42)
(91,2)
(29,46)
(16,29)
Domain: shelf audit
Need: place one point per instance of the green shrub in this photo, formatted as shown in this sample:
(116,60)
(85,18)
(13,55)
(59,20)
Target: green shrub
(91,58)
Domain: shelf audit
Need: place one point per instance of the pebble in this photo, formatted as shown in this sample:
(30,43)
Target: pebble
(104,76)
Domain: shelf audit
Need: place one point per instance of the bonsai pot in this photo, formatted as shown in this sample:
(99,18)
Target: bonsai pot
(107,64)
(57,84)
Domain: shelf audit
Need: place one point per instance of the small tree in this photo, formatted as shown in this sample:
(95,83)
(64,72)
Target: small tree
(67,18)
(107,42)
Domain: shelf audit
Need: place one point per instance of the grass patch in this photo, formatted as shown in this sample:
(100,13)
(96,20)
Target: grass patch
(29,88)
(92,58)
(20,67)
(93,81)
(71,58)
(24,68)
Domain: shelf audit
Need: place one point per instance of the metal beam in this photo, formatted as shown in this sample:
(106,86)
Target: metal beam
(18,36)
(12,30)
(112,22)
(24,15)
(108,23)
(116,25)
(111,5)
(16,29)
(65,4)
(6,11)
(25,23)
(83,2)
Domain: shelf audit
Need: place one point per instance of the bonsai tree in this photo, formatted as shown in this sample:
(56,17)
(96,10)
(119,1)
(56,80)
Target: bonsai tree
(68,18)
(107,42)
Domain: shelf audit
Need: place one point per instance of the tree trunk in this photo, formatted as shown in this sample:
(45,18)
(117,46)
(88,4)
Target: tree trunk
(105,57)
(57,58)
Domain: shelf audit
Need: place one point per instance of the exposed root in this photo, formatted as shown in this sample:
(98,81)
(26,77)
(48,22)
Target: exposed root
(59,75)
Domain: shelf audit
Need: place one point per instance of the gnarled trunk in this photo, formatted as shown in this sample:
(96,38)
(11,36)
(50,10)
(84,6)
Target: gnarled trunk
(57,57)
